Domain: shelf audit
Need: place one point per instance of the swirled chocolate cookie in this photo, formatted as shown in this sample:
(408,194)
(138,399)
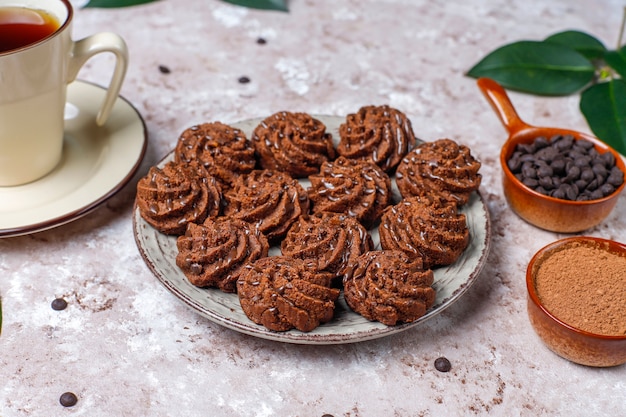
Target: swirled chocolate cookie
(179,193)
(224,151)
(330,241)
(358,188)
(381,133)
(425,226)
(214,253)
(443,167)
(271,200)
(295,143)
(282,293)
(388,287)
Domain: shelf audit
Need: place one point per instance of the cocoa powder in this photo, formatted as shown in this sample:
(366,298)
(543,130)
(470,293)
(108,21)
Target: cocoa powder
(584,285)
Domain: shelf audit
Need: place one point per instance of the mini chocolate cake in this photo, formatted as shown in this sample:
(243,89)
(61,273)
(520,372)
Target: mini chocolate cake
(354,187)
(178,194)
(224,151)
(381,133)
(330,241)
(426,227)
(214,253)
(441,167)
(282,293)
(388,287)
(295,143)
(271,200)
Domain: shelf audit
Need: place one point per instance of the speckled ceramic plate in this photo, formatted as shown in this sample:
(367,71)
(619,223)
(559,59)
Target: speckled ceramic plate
(96,163)
(159,252)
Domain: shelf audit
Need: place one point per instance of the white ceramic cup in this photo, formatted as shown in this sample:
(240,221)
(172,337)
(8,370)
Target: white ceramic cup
(33,85)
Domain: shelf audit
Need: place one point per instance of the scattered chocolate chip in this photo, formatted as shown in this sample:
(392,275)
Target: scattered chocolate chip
(443,364)
(68,399)
(58,304)
(261,41)
(164,69)
(327,415)
(244,80)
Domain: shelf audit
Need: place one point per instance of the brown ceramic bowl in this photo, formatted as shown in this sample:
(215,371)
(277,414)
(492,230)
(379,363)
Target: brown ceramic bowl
(576,345)
(543,211)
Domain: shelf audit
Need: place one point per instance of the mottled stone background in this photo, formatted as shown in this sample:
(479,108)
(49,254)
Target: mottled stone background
(127,347)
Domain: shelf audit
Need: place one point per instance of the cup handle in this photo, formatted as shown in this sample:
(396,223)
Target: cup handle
(84,49)
(499,100)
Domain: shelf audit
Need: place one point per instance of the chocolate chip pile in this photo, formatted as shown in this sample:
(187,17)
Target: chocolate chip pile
(565,168)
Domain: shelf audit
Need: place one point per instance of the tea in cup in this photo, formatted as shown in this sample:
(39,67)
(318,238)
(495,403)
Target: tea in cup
(38,59)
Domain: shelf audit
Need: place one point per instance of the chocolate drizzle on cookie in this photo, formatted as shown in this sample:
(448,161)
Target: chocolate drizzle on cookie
(441,167)
(214,253)
(358,188)
(224,151)
(178,194)
(283,293)
(295,143)
(387,286)
(380,133)
(329,241)
(271,200)
(427,227)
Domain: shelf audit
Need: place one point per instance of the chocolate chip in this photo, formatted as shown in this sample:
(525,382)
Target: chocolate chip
(558,166)
(616,177)
(58,304)
(607,189)
(608,158)
(164,70)
(443,364)
(244,80)
(261,41)
(68,399)
(587,175)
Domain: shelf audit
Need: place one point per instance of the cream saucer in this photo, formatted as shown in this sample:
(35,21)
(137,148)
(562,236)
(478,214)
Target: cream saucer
(96,163)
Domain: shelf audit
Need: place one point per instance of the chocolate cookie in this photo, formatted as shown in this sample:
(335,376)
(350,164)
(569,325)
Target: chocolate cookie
(443,167)
(354,187)
(271,200)
(282,293)
(295,143)
(224,151)
(214,253)
(329,241)
(178,194)
(381,133)
(388,287)
(425,226)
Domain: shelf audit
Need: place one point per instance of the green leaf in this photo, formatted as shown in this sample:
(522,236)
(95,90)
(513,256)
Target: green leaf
(617,61)
(542,68)
(585,44)
(262,4)
(116,3)
(604,107)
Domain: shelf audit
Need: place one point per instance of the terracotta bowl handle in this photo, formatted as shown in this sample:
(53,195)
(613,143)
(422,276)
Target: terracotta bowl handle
(499,100)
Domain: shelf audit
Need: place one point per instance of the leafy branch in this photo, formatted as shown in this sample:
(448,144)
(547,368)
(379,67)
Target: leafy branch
(563,64)
(280,5)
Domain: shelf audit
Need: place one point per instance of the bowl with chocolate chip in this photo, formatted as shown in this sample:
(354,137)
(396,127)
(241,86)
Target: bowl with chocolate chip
(556,179)
(576,297)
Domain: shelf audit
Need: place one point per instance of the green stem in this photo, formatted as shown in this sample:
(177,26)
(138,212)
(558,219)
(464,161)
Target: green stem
(621,31)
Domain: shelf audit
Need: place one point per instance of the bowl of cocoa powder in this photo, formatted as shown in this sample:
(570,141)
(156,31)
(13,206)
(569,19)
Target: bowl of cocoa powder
(577,299)
(556,179)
